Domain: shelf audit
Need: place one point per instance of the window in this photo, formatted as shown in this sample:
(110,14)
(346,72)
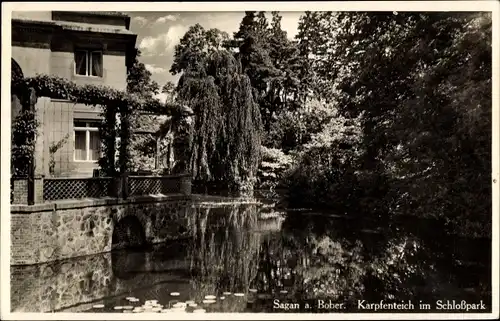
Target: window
(88,63)
(87,142)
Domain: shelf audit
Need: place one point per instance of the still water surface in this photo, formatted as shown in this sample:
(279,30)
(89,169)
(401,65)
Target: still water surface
(268,257)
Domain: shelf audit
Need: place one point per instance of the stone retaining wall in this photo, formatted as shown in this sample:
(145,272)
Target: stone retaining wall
(64,229)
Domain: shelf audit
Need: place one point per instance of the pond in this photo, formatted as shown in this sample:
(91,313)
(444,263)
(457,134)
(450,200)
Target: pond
(254,259)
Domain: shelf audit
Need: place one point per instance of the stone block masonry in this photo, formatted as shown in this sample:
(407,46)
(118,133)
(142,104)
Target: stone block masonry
(65,229)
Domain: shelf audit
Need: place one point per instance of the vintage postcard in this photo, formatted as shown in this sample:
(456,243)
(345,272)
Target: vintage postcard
(260,160)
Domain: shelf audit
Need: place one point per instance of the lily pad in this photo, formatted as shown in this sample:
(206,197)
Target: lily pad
(179,305)
(209,301)
(239,294)
(175,294)
(178,309)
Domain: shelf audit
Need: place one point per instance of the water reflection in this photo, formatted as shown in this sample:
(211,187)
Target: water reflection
(307,256)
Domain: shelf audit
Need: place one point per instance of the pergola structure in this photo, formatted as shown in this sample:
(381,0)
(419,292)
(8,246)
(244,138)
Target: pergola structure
(169,126)
(117,110)
(158,134)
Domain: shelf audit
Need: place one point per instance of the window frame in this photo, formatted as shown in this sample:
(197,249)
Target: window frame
(88,63)
(87,129)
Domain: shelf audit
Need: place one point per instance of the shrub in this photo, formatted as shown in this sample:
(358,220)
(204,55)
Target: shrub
(275,163)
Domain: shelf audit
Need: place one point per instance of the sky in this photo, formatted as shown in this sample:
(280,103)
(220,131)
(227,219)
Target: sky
(159,32)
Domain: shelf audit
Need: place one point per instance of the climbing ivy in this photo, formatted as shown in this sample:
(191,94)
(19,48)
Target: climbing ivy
(108,132)
(24,131)
(93,95)
(54,147)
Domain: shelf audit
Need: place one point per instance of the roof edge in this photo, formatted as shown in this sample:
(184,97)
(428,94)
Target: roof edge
(98,13)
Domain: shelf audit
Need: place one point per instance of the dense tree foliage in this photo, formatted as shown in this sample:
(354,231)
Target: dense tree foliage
(268,57)
(143,145)
(195,46)
(380,113)
(421,85)
(147,127)
(139,79)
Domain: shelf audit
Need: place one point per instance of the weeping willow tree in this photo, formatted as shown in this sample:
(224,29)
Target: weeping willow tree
(225,251)
(225,146)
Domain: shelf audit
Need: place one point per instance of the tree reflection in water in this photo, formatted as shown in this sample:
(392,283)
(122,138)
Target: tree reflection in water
(316,256)
(224,251)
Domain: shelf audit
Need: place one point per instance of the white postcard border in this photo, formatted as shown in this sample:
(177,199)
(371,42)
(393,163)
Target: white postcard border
(8,7)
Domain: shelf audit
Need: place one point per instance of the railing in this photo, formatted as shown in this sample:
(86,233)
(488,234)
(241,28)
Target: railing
(51,189)
(75,188)
(144,185)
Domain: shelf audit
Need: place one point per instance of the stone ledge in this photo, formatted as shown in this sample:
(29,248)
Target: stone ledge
(224,199)
(93,202)
(87,202)
(110,201)
(156,198)
(28,209)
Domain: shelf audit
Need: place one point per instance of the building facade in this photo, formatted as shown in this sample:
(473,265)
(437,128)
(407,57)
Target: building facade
(86,48)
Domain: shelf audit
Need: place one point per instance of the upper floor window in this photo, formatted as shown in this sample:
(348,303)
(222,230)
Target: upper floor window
(88,63)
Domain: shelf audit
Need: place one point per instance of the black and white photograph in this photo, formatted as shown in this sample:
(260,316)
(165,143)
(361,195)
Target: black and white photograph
(258,160)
